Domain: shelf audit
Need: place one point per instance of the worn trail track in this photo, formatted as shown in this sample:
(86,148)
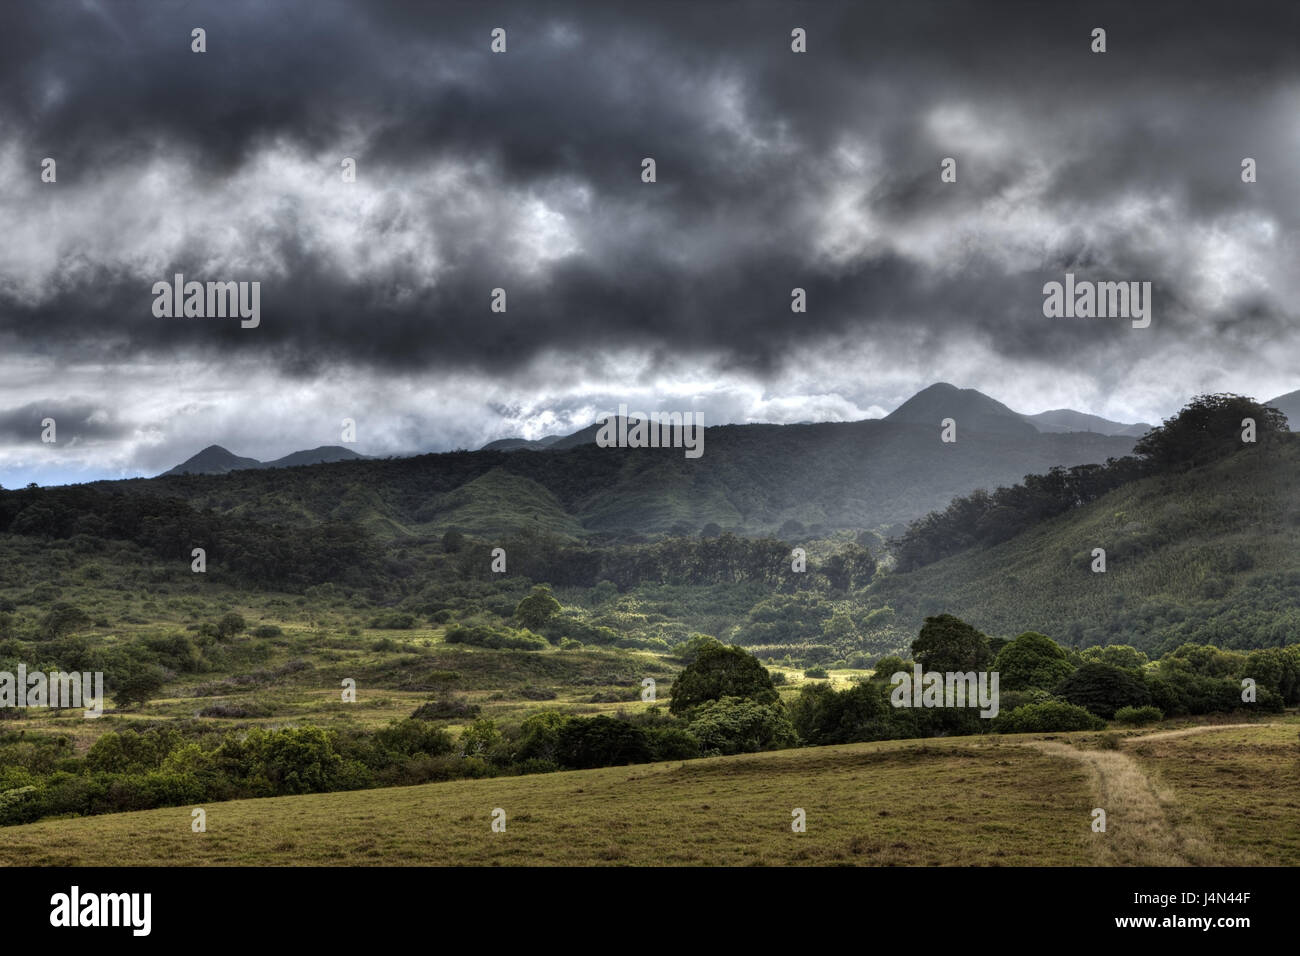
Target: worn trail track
(1137,820)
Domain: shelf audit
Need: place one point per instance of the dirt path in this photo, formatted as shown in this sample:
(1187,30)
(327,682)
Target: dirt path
(1165,734)
(1137,824)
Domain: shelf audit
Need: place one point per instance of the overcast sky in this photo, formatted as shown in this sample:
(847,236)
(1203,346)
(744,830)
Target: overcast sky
(522,170)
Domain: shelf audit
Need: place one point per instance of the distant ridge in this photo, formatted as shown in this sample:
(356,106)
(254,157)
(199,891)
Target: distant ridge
(215,460)
(972,409)
(521,444)
(1068,420)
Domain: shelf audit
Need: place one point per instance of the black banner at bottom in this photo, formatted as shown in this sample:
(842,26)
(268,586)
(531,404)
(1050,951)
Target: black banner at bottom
(145,905)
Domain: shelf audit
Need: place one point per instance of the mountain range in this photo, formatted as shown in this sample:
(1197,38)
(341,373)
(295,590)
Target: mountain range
(972,408)
(876,474)
(977,411)
(215,460)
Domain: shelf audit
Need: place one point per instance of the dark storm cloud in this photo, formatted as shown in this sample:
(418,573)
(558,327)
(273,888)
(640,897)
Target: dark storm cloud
(750,142)
(74,421)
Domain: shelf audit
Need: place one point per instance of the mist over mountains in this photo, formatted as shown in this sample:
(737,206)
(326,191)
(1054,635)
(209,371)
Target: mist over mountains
(754,479)
(876,474)
(972,408)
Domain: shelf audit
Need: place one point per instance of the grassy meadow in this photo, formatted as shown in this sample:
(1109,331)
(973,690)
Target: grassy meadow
(997,801)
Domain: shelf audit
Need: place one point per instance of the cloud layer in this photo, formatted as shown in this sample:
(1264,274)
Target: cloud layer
(522,170)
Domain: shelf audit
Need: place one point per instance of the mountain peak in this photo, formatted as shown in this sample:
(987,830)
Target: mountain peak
(971,409)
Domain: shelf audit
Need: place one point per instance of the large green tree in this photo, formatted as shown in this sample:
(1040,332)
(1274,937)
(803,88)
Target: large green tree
(1032,660)
(948,643)
(537,608)
(720,671)
(1209,427)
(1104,689)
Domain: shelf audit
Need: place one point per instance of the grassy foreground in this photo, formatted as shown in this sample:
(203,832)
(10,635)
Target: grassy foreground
(1202,796)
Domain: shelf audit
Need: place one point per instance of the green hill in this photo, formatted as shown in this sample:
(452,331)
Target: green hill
(1211,556)
(752,479)
(498,502)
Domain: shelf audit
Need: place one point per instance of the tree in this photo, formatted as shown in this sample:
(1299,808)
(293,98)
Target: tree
(539,735)
(537,608)
(732,725)
(301,760)
(839,629)
(1277,668)
(1208,428)
(850,568)
(63,619)
(720,671)
(1103,689)
(889,665)
(453,541)
(687,651)
(823,716)
(948,644)
(601,742)
(140,684)
(479,737)
(231,623)
(1032,660)
(1116,655)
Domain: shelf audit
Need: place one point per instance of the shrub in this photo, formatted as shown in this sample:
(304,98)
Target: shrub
(497,638)
(393,622)
(231,623)
(819,672)
(237,711)
(267,630)
(733,725)
(409,737)
(479,737)
(530,692)
(1048,717)
(601,742)
(672,743)
(537,608)
(1139,716)
(63,619)
(453,708)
